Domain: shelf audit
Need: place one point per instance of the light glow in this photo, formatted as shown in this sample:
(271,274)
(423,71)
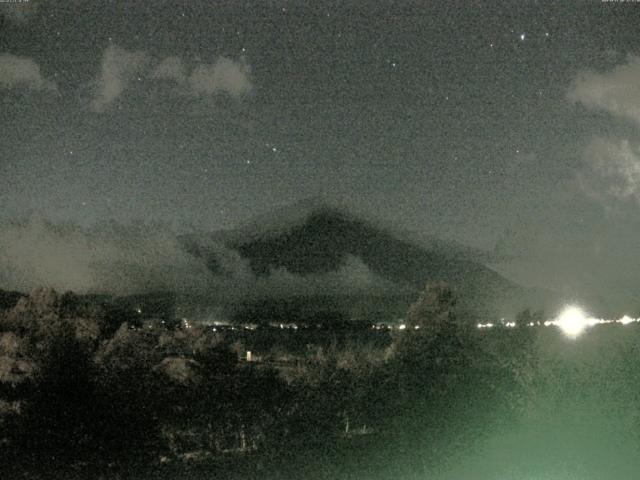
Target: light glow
(572,321)
(626,320)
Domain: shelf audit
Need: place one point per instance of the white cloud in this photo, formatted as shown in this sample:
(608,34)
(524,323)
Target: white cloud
(223,76)
(613,169)
(118,259)
(119,67)
(616,91)
(171,68)
(354,277)
(108,258)
(22,72)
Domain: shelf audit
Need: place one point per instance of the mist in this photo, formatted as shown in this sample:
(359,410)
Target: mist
(118,259)
(106,258)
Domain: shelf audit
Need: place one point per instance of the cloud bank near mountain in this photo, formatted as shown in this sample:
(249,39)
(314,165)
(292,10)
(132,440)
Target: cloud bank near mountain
(118,259)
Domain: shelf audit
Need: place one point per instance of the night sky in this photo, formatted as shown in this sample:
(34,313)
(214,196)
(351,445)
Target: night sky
(512,127)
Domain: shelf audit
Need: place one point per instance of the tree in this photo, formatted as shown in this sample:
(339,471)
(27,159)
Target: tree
(434,338)
(454,383)
(525,318)
(434,308)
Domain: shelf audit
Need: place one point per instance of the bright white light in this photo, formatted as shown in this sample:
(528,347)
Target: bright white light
(572,321)
(626,320)
(485,325)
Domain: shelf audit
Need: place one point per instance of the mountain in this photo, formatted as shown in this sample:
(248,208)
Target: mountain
(317,240)
(283,220)
(312,262)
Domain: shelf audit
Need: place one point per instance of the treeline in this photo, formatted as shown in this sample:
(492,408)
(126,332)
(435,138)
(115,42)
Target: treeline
(75,385)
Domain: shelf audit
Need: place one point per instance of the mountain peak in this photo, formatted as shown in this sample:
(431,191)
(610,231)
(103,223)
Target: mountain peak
(279,221)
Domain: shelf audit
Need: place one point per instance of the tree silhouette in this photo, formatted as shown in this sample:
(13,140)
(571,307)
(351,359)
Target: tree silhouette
(434,308)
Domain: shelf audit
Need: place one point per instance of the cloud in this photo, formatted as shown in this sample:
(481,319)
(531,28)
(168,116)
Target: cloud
(118,68)
(109,258)
(121,68)
(116,259)
(171,68)
(21,72)
(616,91)
(223,76)
(353,277)
(612,170)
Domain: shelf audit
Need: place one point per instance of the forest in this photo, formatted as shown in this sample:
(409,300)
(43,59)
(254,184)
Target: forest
(83,395)
(80,390)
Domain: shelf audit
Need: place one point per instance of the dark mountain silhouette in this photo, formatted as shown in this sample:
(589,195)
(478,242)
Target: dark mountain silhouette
(316,238)
(315,261)
(327,236)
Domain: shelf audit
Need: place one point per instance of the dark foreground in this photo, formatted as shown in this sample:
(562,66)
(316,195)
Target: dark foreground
(81,398)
